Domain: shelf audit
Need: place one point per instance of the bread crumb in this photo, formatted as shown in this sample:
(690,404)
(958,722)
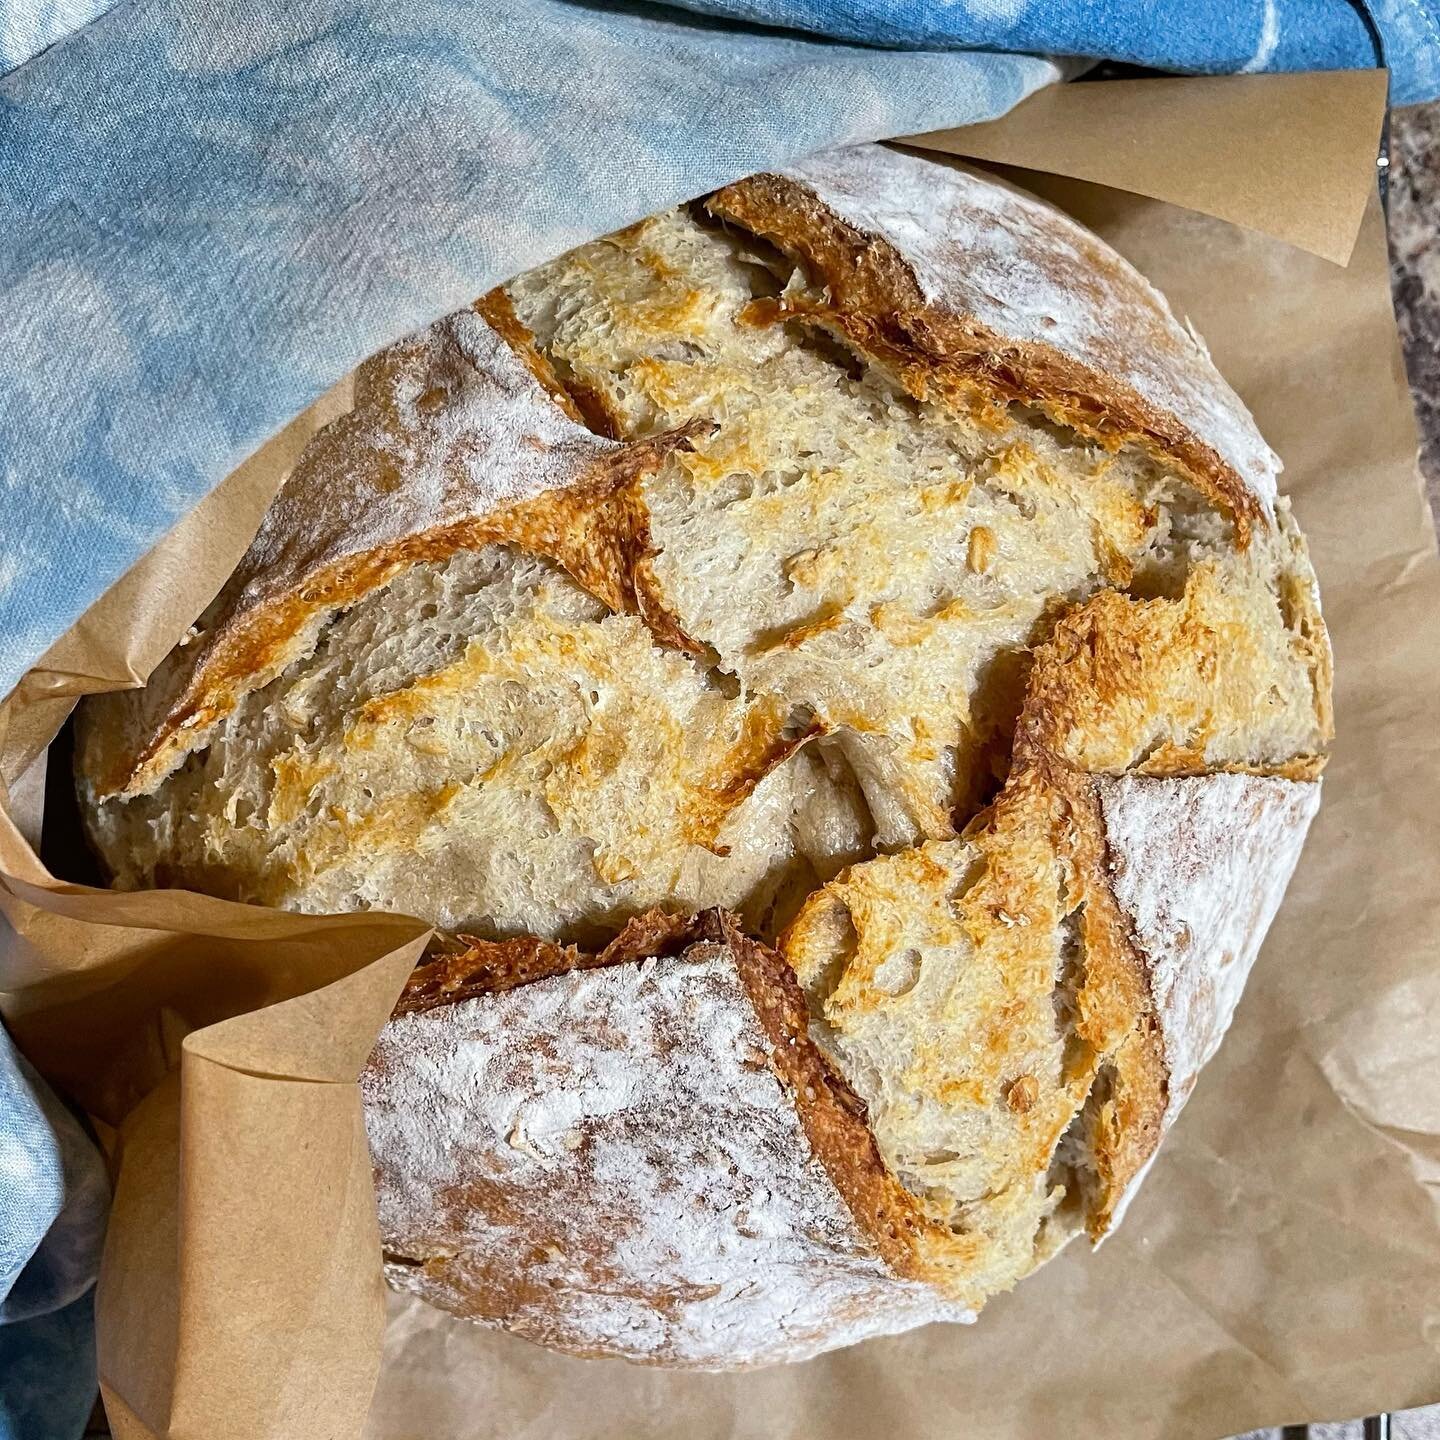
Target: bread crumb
(1022,1094)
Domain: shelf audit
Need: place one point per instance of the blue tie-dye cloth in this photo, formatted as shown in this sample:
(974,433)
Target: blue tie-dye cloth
(48,1243)
(212,209)
(53,1201)
(1211,37)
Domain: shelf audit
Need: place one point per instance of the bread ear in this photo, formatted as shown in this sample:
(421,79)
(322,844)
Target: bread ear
(460,437)
(968,288)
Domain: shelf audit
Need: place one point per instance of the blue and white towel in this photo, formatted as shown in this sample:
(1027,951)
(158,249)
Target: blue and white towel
(53,1201)
(210,210)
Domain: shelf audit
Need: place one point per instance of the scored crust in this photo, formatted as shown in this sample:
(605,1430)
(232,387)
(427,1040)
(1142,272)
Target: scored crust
(764,1227)
(463,434)
(460,436)
(1164,751)
(1166,867)
(995,297)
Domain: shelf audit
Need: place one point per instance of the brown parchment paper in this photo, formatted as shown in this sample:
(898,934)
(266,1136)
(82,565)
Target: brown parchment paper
(1303,170)
(1283,1262)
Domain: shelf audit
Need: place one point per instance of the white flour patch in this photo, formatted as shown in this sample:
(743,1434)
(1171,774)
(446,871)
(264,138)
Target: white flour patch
(1199,865)
(980,248)
(605,1161)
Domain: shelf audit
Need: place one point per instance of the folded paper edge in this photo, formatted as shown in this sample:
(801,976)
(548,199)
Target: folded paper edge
(1243,105)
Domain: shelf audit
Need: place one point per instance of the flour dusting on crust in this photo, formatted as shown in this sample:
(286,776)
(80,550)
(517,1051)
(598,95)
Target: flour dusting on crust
(978,247)
(1199,865)
(958,462)
(621,1131)
(460,427)
(449,426)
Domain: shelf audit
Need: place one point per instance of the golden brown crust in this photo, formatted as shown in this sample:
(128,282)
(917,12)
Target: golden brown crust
(1112,667)
(1095,690)
(496,309)
(766,740)
(1039,860)
(1115,1015)
(832,1114)
(581,402)
(486,967)
(1154,685)
(586,513)
(598,530)
(1116,676)
(873,300)
(593,521)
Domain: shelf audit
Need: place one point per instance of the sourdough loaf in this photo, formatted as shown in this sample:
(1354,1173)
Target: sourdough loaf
(835,656)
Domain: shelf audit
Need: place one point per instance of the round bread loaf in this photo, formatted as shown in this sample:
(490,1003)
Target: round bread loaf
(833,662)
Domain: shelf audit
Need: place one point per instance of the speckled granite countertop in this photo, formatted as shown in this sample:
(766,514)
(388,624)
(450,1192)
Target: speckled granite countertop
(1415,270)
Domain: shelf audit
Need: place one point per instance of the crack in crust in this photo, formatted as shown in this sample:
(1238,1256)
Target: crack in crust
(598,531)
(353,516)
(513,452)
(874,300)
(1142,687)
(1115,1015)
(1112,670)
